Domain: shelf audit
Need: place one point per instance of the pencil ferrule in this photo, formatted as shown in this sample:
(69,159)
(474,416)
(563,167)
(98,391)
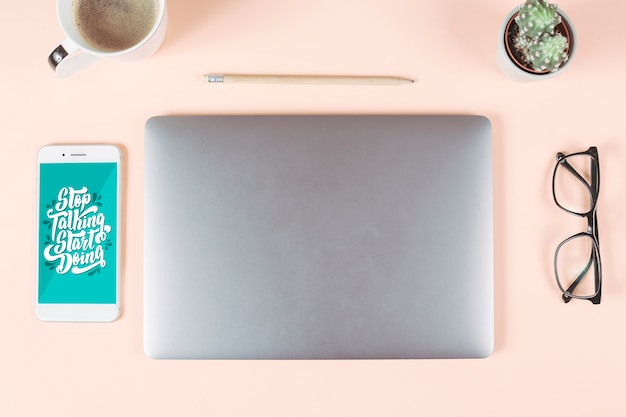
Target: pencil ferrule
(215,78)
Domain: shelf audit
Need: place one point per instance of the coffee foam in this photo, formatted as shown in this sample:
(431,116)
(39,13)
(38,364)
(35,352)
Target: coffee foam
(115,25)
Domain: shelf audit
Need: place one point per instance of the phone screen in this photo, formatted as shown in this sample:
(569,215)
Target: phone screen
(78,233)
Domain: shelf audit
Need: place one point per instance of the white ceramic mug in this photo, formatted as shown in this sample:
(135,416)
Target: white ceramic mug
(76,52)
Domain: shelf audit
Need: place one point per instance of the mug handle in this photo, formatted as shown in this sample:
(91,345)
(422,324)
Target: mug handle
(68,58)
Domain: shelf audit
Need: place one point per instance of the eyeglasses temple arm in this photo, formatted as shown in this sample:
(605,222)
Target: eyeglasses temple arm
(561,160)
(574,284)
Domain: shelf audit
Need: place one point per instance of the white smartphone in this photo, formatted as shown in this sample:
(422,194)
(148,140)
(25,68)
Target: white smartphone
(78,233)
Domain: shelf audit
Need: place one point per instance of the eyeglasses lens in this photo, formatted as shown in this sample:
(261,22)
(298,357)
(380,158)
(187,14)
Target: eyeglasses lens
(575,266)
(572,181)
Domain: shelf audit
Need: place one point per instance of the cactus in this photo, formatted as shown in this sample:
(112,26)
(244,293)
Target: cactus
(537,17)
(544,49)
(548,53)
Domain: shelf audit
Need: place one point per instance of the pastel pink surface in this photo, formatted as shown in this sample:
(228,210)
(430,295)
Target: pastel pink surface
(550,358)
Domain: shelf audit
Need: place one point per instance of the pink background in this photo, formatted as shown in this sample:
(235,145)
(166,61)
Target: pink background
(549,359)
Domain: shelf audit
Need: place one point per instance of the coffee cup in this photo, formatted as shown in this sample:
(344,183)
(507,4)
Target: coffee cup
(119,30)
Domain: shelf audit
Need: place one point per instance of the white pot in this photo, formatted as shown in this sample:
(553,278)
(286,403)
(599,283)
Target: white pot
(514,72)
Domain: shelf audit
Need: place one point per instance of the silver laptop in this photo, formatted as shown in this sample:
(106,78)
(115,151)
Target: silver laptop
(318,237)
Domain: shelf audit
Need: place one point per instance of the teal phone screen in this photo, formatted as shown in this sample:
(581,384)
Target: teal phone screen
(78,233)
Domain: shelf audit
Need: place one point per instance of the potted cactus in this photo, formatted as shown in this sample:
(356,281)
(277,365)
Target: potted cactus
(537,41)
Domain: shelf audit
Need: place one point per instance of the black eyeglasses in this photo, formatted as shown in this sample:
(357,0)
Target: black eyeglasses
(575,188)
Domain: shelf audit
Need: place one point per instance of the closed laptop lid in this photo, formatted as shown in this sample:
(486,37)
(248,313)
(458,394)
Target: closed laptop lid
(318,237)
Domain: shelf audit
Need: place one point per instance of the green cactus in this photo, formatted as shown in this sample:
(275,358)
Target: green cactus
(543,48)
(537,17)
(548,52)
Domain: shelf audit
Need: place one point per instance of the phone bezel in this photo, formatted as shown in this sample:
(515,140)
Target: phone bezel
(80,312)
